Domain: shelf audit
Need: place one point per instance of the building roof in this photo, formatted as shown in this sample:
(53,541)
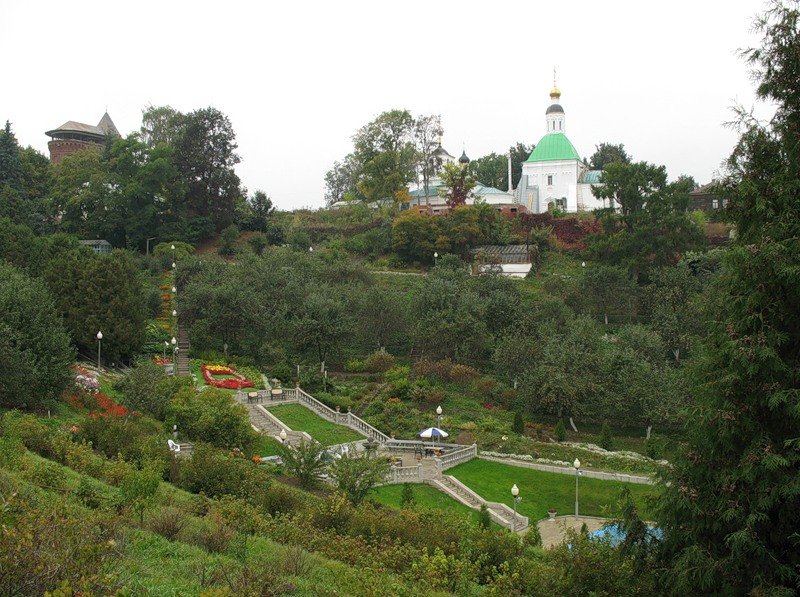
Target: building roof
(463,159)
(553,146)
(441,151)
(591,177)
(107,125)
(95,243)
(554,108)
(103,129)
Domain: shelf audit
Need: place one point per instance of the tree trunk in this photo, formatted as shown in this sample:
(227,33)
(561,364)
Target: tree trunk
(572,424)
(677,353)
(649,430)
(605,316)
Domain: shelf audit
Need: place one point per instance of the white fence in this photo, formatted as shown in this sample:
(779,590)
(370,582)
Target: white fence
(451,459)
(404,474)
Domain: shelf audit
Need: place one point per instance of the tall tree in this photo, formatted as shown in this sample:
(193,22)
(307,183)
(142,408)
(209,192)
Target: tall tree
(519,153)
(386,155)
(651,226)
(35,354)
(10,165)
(491,170)
(427,132)
(732,507)
(161,124)
(340,180)
(458,184)
(205,154)
(608,153)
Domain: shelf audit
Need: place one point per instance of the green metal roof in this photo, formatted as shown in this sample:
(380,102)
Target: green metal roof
(553,146)
(592,177)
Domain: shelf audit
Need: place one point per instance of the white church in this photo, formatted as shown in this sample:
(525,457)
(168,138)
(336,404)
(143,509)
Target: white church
(554,174)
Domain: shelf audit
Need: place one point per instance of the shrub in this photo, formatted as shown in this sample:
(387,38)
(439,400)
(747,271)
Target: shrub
(167,522)
(305,462)
(486,385)
(212,534)
(484,520)
(407,499)
(46,547)
(560,431)
(357,475)
(606,439)
(295,562)
(283,372)
(460,373)
(354,366)
(518,426)
(379,361)
(653,447)
(216,473)
(212,416)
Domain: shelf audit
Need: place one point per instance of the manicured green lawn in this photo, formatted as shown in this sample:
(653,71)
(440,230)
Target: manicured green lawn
(299,418)
(424,496)
(540,490)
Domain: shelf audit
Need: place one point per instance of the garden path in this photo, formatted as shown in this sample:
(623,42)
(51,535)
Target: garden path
(554,531)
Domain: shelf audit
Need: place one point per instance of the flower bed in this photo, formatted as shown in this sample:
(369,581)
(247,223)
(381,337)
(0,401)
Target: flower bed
(237,381)
(86,380)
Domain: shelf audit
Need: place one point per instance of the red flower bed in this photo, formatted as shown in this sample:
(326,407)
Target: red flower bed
(239,381)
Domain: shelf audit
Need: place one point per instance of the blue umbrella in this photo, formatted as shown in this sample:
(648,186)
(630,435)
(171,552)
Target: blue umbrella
(432,432)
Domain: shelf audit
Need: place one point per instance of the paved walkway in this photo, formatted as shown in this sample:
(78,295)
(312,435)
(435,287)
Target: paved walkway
(555,531)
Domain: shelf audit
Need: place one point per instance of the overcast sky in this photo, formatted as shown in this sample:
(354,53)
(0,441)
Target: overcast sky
(298,78)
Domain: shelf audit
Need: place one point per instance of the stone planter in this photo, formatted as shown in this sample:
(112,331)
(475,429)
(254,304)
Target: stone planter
(552,514)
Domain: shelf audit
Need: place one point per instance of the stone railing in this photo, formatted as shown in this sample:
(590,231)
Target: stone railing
(499,513)
(563,470)
(404,474)
(508,513)
(347,419)
(451,459)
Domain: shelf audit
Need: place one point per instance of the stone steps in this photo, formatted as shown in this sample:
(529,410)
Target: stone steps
(474,501)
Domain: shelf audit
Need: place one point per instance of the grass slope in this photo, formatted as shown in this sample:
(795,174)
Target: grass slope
(425,496)
(540,490)
(299,418)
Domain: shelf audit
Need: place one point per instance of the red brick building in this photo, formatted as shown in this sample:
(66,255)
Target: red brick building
(74,136)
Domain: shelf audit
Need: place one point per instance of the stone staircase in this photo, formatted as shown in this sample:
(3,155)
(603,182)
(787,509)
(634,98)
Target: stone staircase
(261,422)
(499,513)
(183,352)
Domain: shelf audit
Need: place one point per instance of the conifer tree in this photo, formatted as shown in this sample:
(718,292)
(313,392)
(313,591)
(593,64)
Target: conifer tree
(731,511)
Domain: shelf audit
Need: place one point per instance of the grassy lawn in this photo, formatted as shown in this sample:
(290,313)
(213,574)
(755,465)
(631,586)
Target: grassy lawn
(299,418)
(540,490)
(425,496)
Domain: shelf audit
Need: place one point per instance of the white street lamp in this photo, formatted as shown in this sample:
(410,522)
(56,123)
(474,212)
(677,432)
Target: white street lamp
(577,465)
(583,264)
(282,435)
(166,344)
(515,495)
(99,338)
(174,313)
(435,258)
(174,290)
(310,249)
(174,265)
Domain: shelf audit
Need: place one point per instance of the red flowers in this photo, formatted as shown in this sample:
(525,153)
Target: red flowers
(236,381)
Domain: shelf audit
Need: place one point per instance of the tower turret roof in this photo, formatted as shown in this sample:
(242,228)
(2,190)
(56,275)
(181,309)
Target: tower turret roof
(463,159)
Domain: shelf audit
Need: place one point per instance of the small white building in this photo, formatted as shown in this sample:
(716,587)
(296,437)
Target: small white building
(554,174)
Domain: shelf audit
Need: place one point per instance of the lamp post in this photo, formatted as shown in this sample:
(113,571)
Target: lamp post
(147,250)
(515,495)
(166,344)
(174,290)
(577,465)
(174,343)
(173,251)
(282,435)
(174,313)
(435,258)
(310,249)
(439,417)
(99,340)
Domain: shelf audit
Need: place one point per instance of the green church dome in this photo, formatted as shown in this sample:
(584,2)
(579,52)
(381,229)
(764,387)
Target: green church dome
(553,146)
